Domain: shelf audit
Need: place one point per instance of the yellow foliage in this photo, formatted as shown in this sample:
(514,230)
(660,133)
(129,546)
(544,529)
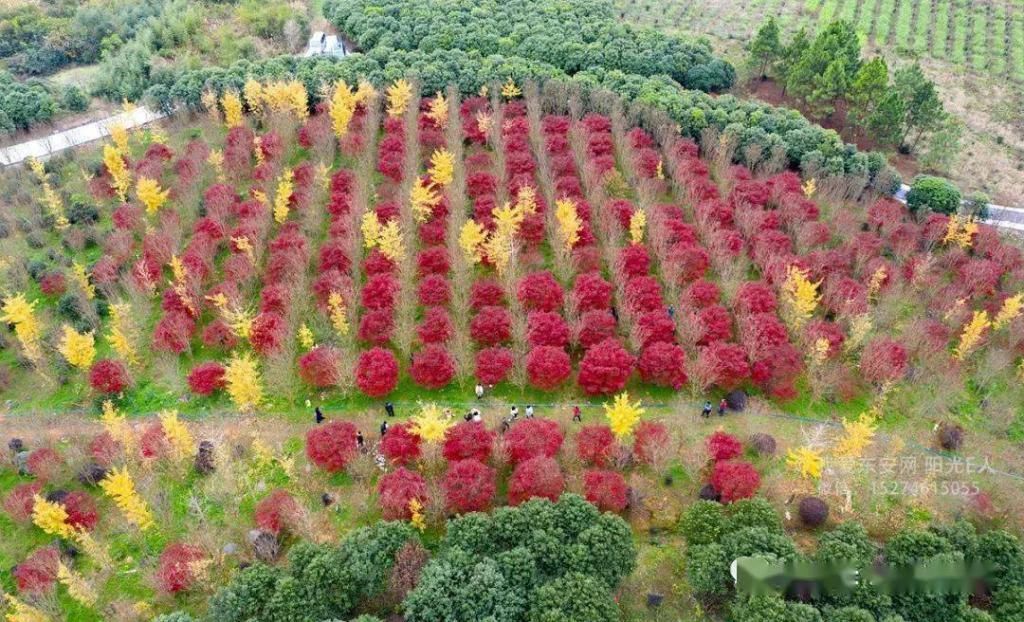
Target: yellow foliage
(819,351)
(471,240)
(243,381)
(305,337)
(180,438)
(857,436)
(209,101)
(119,173)
(569,223)
(257,150)
(282,195)
(423,199)
(216,160)
(81,277)
(78,349)
(637,224)
(22,612)
(119,486)
(243,244)
(806,461)
(92,548)
(120,329)
(438,112)
(51,200)
(483,122)
(972,334)
(239,320)
(178,270)
(149,193)
(660,171)
(288,96)
(119,135)
(116,426)
(19,311)
(338,315)
(417,519)
(430,424)
(342,108)
(398,96)
(960,230)
(510,90)
(51,517)
(365,92)
(800,295)
(622,415)
(442,167)
(810,187)
(370,228)
(390,241)
(253,93)
(1010,311)
(860,326)
(875,284)
(78,588)
(232,105)
(37,167)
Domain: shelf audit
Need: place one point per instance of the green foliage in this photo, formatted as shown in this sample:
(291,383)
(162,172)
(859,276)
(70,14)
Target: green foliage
(751,541)
(703,523)
(707,570)
(74,99)
(827,65)
(868,89)
(23,104)
(125,73)
(934,193)
(177,616)
(573,598)
(923,108)
(763,608)
(849,614)
(847,542)
(754,512)
(766,48)
(943,145)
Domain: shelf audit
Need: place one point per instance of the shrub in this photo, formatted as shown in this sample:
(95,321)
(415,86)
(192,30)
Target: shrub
(763,444)
(81,510)
(634,261)
(38,573)
(468,441)
(546,328)
(44,463)
(267,333)
(591,292)
(725,364)
(532,438)
(174,569)
(722,446)
(575,597)
(707,569)
(813,511)
(537,477)
(493,365)
(595,445)
(605,489)
(650,439)
(436,326)
(703,523)
(108,376)
(396,489)
(205,378)
(663,364)
(432,367)
(547,367)
(377,326)
(376,372)
(19,502)
(486,293)
(754,512)
(469,486)
(934,193)
(951,436)
(735,480)
(319,367)
(540,291)
(433,290)
(332,445)
(883,360)
(491,325)
(277,511)
(594,327)
(605,368)
(400,445)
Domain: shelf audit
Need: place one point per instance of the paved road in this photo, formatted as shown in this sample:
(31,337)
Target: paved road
(43,148)
(998,215)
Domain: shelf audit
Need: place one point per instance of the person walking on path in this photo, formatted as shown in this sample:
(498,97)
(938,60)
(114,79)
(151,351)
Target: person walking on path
(319,415)
(706,412)
(389,408)
(722,405)
(577,415)
(479,391)
(514,412)
(383,428)
(360,441)
(529,411)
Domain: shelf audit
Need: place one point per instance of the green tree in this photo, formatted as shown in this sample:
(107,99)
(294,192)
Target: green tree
(791,56)
(837,47)
(943,145)
(886,121)
(830,88)
(869,87)
(938,195)
(766,48)
(924,111)
(573,598)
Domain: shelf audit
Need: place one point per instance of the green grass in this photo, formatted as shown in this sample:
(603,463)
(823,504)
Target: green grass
(998,52)
(883,25)
(866,20)
(1017,45)
(922,28)
(960,22)
(904,17)
(979,41)
(941,31)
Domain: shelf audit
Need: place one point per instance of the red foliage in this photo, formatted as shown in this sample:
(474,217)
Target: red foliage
(379,292)
(104,449)
(530,438)
(605,368)
(594,327)
(469,486)
(540,291)
(38,573)
(174,569)
(656,326)
(755,297)
(267,333)
(108,376)
(546,328)
(491,325)
(547,367)
(396,489)
(536,477)
(663,364)
(650,438)
(715,323)
(400,445)
(643,293)
(468,441)
(173,332)
(634,261)
(377,326)
(378,263)
(688,261)
(883,360)
(205,378)
(331,445)
(591,291)
(434,290)
(18,503)
(595,445)
(53,284)
(44,463)
(278,510)
(725,363)
(319,366)
(722,446)
(377,372)
(778,370)
(829,331)
(81,510)
(433,260)
(735,480)
(493,365)
(605,489)
(436,326)
(218,334)
(486,293)
(154,443)
(432,367)
(760,332)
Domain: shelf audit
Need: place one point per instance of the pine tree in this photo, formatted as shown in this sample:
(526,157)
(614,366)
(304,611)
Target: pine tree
(869,87)
(766,48)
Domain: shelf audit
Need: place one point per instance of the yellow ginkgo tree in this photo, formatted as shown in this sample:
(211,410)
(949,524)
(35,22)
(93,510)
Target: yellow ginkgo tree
(623,415)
